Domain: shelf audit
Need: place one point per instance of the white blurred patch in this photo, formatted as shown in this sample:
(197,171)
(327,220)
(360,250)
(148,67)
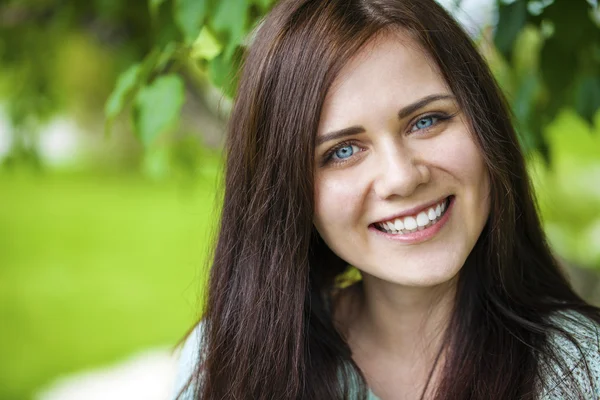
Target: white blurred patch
(473,15)
(59,142)
(5,135)
(148,376)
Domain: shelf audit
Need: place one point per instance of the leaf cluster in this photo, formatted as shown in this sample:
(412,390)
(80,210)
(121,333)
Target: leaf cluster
(547,55)
(203,37)
(553,50)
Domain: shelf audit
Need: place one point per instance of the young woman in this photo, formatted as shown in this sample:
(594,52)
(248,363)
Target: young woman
(371,133)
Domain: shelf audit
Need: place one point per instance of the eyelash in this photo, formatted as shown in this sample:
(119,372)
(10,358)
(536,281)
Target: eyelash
(439,117)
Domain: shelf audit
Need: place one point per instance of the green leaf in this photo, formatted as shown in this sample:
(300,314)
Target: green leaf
(558,66)
(223,72)
(126,84)
(230,20)
(264,5)
(149,64)
(568,62)
(511,19)
(573,26)
(189,16)
(130,80)
(166,55)
(154,6)
(587,100)
(166,27)
(526,51)
(525,96)
(206,46)
(157,107)
(529,132)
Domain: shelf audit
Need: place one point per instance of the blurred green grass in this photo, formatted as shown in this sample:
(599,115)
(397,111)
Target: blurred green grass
(93,268)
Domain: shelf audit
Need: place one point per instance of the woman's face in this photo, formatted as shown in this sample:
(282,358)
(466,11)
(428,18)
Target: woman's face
(401,189)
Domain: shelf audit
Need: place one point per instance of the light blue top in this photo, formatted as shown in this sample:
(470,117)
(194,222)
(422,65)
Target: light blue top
(554,388)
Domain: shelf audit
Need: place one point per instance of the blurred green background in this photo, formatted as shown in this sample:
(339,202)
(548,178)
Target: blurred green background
(112,117)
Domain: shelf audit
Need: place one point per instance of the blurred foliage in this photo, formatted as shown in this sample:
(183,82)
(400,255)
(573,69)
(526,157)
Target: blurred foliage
(93,265)
(166,48)
(569,192)
(561,66)
(552,49)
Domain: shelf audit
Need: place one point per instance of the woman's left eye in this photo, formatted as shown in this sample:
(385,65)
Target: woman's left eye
(346,151)
(425,122)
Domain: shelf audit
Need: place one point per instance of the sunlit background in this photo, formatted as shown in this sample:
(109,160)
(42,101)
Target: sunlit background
(112,116)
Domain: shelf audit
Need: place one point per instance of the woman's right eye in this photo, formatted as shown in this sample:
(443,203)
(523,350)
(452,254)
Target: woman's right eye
(341,153)
(345,152)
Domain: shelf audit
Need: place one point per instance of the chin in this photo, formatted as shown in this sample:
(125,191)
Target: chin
(419,277)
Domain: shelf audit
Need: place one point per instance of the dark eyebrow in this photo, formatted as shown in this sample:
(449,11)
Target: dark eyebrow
(353,130)
(411,108)
(403,113)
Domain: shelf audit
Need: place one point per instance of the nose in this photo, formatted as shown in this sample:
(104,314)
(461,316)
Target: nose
(400,172)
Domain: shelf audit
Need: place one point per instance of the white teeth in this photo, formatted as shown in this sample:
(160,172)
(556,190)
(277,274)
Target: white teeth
(422,219)
(410,223)
(399,224)
(431,214)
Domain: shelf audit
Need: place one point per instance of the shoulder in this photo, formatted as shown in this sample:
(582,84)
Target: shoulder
(576,361)
(189,355)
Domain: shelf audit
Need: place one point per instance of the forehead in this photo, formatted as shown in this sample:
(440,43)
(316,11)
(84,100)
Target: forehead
(390,71)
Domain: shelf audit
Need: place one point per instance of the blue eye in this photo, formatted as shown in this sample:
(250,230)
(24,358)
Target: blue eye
(425,122)
(345,152)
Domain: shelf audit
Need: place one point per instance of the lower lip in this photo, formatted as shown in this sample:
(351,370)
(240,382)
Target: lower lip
(419,236)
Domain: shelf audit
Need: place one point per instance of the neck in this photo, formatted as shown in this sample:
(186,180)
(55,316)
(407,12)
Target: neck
(407,322)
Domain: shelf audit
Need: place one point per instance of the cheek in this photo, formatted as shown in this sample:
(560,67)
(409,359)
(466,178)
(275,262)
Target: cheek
(462,157)
(337,201)
(472,171)
(476,174)
(459,155)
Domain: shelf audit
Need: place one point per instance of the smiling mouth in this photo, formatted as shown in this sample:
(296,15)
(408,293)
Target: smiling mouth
(413,223)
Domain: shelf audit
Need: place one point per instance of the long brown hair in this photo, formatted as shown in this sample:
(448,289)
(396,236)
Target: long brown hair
(268,332)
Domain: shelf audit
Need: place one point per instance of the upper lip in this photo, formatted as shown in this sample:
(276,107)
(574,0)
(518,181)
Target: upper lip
(412,211)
